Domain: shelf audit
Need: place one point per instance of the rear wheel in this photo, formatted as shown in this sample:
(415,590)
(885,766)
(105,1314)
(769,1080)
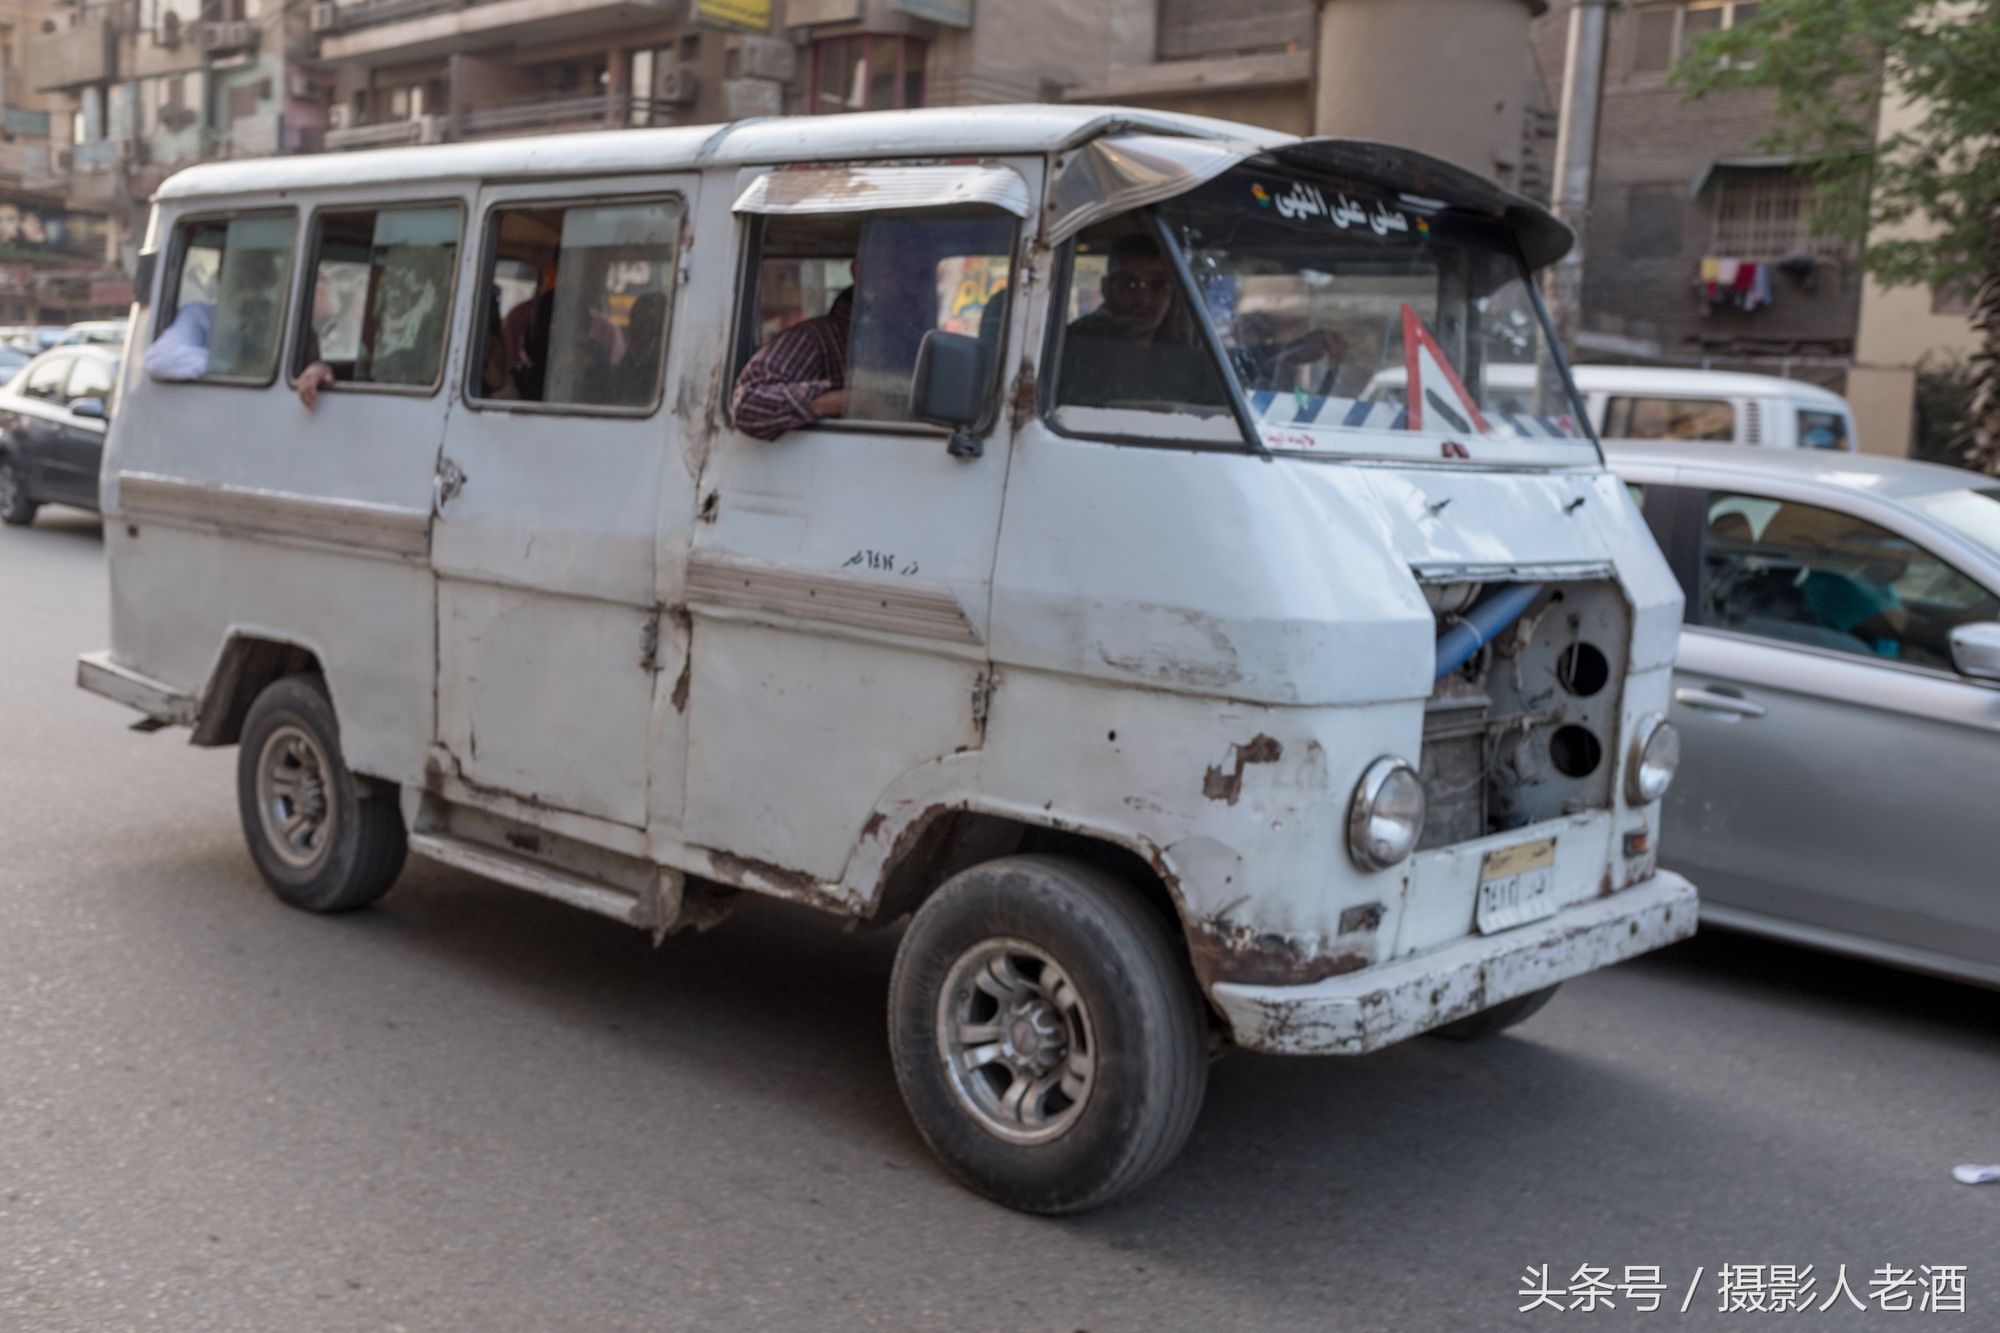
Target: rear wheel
(17,507)
(1499,1018)
(1047,1035)
(318,840)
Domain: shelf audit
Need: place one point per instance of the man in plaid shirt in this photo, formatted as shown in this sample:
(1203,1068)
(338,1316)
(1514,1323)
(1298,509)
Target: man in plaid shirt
(798,377)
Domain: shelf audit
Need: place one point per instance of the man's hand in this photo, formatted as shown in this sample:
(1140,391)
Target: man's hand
(311,380)
(832,403)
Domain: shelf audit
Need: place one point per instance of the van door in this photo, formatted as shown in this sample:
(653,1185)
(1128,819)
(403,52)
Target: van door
(839,580)
(556,488)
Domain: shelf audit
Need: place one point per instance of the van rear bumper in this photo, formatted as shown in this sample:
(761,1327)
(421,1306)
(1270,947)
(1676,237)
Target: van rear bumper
(1379,1006)
(97,673)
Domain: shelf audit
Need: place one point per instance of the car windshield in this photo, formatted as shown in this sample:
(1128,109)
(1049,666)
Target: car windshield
(1356,318)
(1974,515)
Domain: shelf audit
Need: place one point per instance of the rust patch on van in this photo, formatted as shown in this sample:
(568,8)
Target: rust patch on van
(680,694)
(793,884)
(1236,953)
(1218,785)
(1022,402)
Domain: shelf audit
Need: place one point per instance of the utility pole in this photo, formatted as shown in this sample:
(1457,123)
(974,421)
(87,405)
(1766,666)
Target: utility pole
(1576,155)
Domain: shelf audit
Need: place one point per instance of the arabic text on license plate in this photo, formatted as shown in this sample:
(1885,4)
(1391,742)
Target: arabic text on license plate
(1517,885)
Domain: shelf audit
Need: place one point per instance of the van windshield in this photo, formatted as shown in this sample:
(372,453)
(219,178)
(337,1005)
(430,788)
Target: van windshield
(1355,320)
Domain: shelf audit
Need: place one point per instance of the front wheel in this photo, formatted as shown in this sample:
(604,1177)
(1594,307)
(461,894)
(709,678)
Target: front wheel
(17,507)
(319,842)
(1047,1035)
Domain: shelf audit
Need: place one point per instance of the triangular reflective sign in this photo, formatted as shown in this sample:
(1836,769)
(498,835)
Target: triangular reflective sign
(1438,400)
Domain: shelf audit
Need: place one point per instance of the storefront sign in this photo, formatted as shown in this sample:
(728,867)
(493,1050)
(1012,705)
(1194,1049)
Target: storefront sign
(951,13)
(33,229)
(748,15)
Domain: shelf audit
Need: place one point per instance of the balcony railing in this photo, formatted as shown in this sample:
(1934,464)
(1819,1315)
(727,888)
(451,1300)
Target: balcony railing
(541,115)
(387,134)
(352,14)
(76,51)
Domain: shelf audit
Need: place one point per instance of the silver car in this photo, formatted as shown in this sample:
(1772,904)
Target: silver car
(1837,692)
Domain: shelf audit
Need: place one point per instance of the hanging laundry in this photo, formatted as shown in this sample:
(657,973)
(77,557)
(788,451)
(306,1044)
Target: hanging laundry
(1758,294)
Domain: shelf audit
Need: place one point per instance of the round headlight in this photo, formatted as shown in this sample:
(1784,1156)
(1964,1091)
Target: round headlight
(1387,815)
(1656,753)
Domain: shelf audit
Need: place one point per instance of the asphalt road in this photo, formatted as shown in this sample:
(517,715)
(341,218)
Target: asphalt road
(472,1109)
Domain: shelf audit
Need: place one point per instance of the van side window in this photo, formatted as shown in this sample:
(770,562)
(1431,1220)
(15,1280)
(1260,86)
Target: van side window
(226,303)
(576,305)
(1669,419)
(839,305)
(381,295)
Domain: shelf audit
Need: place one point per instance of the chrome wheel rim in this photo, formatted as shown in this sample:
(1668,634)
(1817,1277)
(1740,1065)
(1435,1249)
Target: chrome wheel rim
(1015,1038)
(295,797)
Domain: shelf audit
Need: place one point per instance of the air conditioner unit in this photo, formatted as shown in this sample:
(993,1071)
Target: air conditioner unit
(765,58)
(325,16)
(168,34)
(339,116)
(677,86)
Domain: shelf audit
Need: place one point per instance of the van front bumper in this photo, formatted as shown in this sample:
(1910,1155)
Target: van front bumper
(1380,1006)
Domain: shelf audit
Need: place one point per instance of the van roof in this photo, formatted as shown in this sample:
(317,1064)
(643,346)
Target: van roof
(931,132)
(1687,380)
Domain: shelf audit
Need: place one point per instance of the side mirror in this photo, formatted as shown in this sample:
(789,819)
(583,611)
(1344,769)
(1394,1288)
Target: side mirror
(947,388)
(94,409)
(1975,650)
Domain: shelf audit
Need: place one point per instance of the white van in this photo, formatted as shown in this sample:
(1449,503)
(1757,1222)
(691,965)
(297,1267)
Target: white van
(1178,699)
(1718,406)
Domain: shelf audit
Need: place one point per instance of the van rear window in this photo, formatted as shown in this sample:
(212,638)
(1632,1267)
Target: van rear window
(225,307)
(381,295)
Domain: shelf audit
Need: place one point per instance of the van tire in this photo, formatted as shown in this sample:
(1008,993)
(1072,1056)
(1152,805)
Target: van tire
(289,757)
(1499,1018)
(17,507)
(1130,993)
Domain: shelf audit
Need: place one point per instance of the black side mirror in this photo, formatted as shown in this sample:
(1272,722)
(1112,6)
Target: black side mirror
(948,388)
(88,407)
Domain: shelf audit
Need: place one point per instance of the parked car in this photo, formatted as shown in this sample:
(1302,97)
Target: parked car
(12,359)
(52,421)
(1651,403)
(95,332)
(1837,693)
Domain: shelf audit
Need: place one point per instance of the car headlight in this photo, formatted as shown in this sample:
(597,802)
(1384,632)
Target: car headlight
(1656,753)
(1387,816)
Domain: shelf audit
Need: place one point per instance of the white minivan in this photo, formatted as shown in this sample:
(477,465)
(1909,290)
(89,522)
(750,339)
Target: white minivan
(1064,596)
(1662,403)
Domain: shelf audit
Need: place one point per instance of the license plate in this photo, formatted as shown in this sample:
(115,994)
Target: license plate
(1517,885)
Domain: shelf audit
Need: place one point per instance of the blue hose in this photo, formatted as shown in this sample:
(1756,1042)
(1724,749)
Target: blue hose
(1479,626)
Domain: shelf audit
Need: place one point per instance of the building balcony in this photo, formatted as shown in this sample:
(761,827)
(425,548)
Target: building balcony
(219,40)
(557,115)
(387,134)
(79,52)
(367,35)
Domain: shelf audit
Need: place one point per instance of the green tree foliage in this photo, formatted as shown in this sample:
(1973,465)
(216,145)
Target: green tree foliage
(1824,61)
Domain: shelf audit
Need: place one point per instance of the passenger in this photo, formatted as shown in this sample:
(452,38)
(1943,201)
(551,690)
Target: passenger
(631,381)
(317,373)
(799,376)
(181,353)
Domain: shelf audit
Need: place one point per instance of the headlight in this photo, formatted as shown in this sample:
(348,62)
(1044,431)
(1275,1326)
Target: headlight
(1387,815)
(1656,753)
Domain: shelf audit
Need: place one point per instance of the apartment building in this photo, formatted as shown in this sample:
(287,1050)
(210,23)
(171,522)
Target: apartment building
(428,71)
(52,256)
(145,87)
(1701,249)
